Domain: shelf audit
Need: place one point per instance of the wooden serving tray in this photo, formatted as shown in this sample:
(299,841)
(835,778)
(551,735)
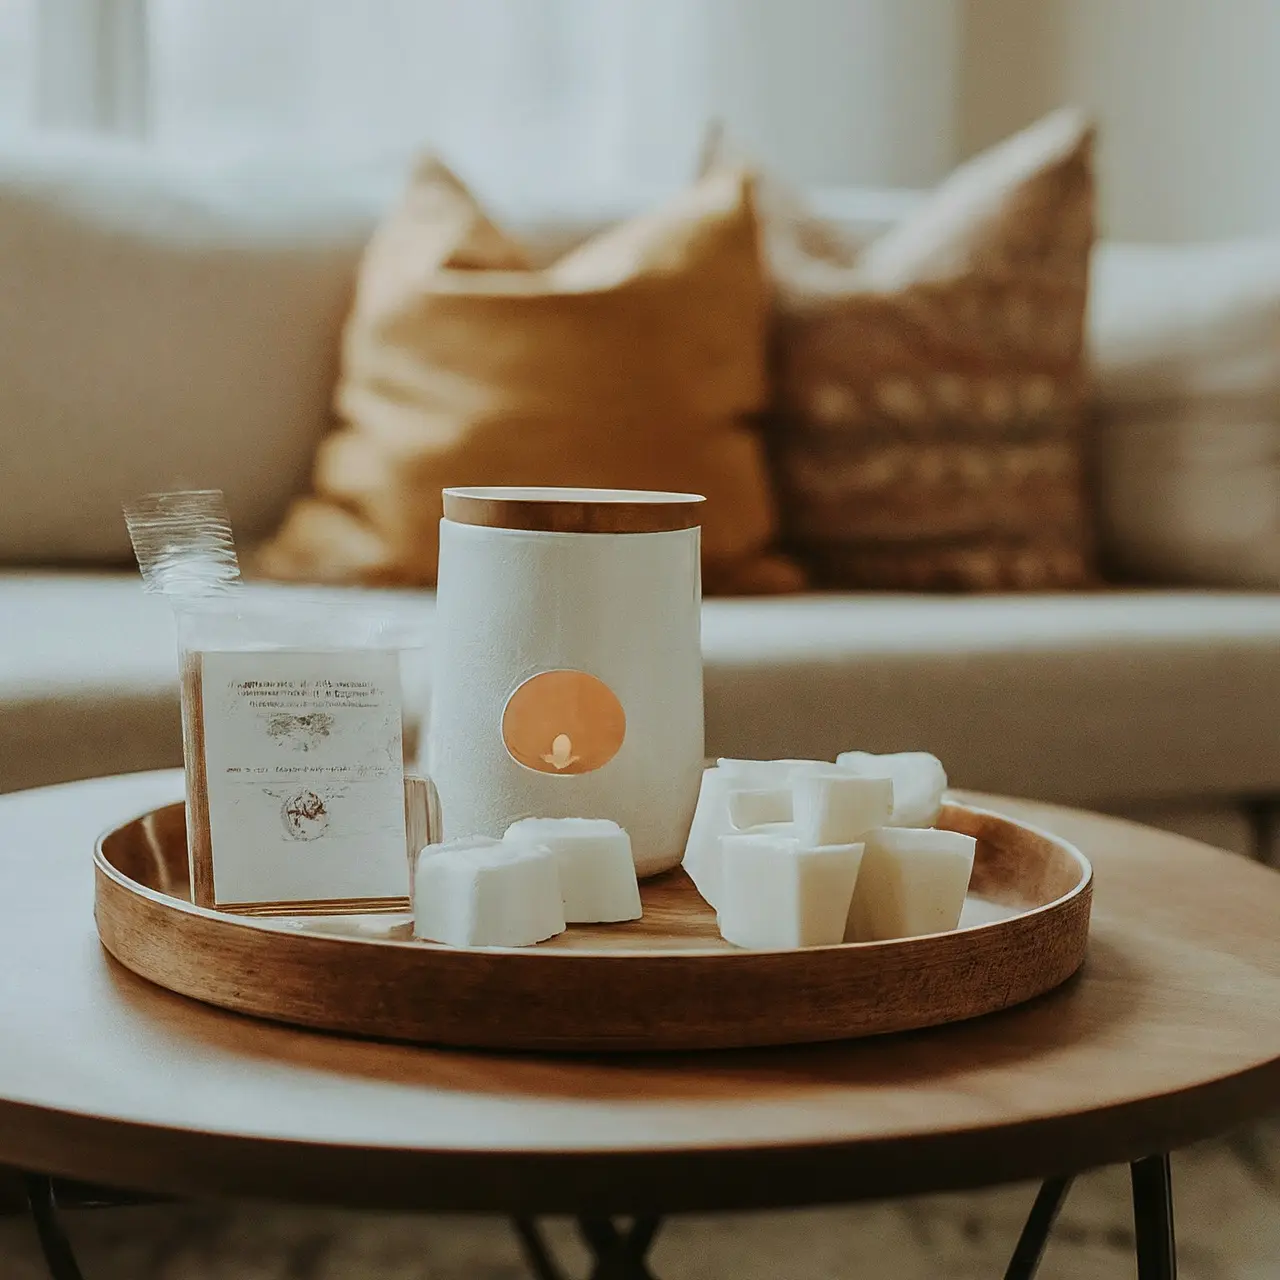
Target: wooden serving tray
(667,981)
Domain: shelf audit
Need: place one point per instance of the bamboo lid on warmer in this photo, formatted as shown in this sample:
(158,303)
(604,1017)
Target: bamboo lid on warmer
(551,510)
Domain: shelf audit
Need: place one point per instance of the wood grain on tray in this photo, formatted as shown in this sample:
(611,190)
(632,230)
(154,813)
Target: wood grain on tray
(667,981)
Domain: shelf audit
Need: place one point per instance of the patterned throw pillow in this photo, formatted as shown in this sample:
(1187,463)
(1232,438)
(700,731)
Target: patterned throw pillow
(929,423)
(634,361)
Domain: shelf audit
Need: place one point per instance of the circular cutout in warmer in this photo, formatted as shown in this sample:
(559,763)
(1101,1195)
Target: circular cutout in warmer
(563,722)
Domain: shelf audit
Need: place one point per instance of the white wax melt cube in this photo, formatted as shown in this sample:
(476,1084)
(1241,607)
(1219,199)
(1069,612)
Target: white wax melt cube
(787,829)
(835,807)
(455,845)
(712,818)
(766,773)
(749,807)
(777,894)
(447,846)
(918,782)
(597,873)
(491,894)
(710,822)
(911,882)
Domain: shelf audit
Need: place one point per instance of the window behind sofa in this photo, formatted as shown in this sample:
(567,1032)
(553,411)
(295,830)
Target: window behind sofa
(603,92)
(599,90)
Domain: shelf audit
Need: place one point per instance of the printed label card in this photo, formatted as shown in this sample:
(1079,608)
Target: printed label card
(305,771)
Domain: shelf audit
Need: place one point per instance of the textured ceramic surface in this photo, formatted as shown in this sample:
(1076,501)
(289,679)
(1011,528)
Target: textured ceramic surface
(616,618)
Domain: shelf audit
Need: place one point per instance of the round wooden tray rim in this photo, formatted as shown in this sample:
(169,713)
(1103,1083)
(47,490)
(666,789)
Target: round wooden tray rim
(260,924)
(665,982)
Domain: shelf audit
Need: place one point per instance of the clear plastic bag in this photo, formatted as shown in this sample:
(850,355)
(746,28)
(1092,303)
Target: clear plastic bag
(293,730)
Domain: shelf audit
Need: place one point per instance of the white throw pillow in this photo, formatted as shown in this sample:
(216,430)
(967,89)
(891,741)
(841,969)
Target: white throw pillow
(1186,352)
(162,325)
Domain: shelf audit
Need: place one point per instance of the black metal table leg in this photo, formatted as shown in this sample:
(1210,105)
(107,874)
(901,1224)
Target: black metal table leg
(619,1255)
(535,1250)
(43,1203)
(1153,1218)
(1035,1235)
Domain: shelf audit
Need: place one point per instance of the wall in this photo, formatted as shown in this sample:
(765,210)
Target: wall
(1187,93)
(523,94)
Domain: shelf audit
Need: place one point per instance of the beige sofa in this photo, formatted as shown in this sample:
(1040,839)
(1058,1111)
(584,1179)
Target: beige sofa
(164,324)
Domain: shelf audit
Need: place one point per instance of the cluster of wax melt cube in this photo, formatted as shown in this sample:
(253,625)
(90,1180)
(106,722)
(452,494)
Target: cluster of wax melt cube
(790,853)
(544,874)
(806,853)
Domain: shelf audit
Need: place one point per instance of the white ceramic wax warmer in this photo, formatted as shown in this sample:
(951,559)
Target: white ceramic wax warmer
(567,664)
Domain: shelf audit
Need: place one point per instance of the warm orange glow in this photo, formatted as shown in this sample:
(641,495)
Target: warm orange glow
(563,722)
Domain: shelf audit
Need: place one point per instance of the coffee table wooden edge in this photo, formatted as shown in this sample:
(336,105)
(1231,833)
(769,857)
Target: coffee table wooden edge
(177,1162)
(181,1160)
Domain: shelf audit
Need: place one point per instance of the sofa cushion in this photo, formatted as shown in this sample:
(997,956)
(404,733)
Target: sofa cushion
(930,424)
(1107,700)
(1092,699)
(632,361)
(88,675)
(1186,348)
(162,326)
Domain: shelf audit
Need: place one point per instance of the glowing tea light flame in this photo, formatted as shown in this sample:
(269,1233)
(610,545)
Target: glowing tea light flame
(563,722)
(561,756)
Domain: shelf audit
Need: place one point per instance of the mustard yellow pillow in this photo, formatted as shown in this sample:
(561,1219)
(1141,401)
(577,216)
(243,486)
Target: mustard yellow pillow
(633,361)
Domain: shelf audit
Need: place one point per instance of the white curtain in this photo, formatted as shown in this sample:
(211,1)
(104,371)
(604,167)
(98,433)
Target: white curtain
(584,93)
(17,61)
(556,95)
(77,64)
